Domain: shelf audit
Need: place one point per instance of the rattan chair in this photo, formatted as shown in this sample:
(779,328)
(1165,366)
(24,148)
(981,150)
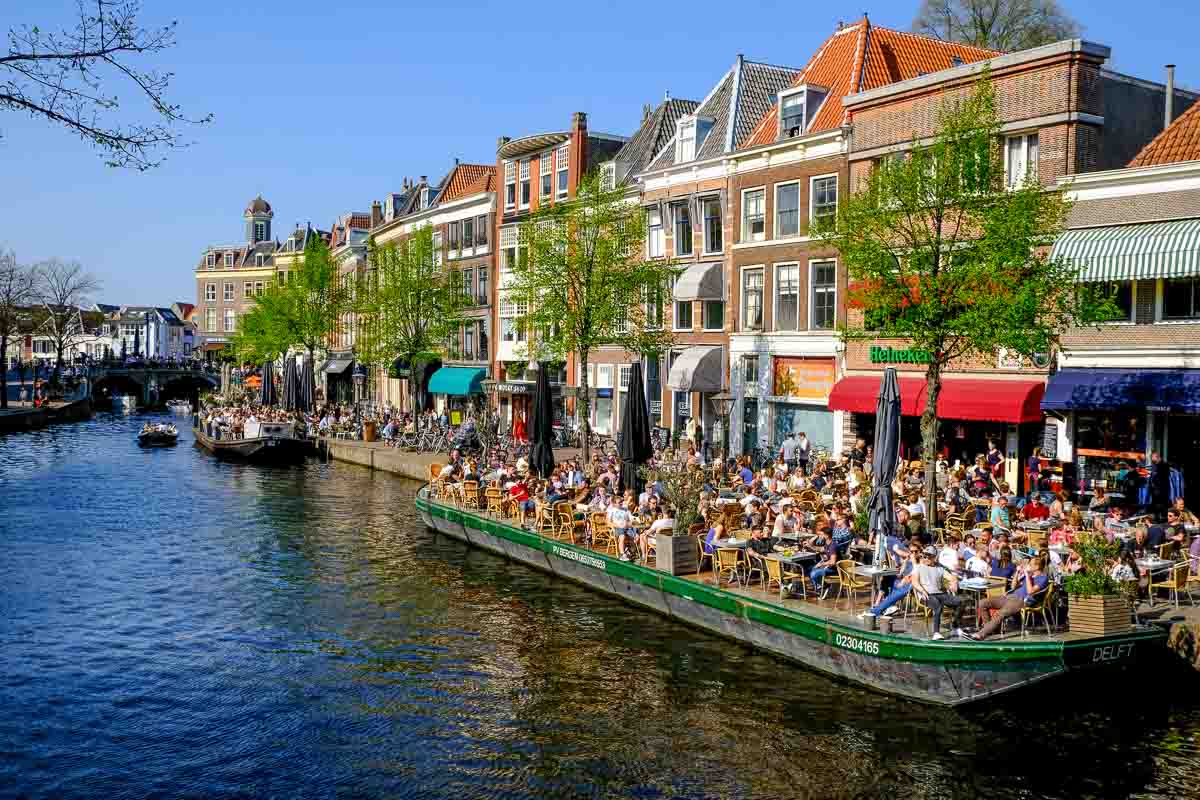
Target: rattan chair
(728,561)
(1040,608)
(602,538)
(1176,582)
(494,500)
(850,583)
(470,494)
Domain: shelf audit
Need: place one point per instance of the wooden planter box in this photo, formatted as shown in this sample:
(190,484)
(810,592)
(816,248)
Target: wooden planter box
(1102,615)
(368,431)
(676,554)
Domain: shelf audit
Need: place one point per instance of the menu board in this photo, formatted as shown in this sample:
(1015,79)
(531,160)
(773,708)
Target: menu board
(1050,440)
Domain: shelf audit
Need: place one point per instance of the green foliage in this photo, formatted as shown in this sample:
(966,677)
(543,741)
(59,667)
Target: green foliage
(682,487)
(407,304)
(302,311)
(1096,553)
(582,276)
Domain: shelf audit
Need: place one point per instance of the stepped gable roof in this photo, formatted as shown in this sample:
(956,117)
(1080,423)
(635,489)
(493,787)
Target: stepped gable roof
(739,99)
(655,132)
(465,180)
(862,57)
(1179,141)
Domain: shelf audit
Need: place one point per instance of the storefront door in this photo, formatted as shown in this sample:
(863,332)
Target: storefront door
(1183,453)
(749,426)
(604,410)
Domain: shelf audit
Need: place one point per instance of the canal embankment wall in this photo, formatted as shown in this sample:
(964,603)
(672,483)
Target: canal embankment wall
(28,419)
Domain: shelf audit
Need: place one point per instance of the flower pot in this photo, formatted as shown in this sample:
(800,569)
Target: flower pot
(675,555)
(1099,615)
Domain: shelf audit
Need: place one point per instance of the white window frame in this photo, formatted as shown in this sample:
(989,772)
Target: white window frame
(653,251)
(837,192)
(691,237)
(437,248)
(260,259)
(228,292)
(604,376)
(247,290)
(523,177)
(230,320)
(260,231)
(210,292)
(746,236)
(211,261)
(510,179)
(1011,181)
(704,223)
(562,166)
(210,320)
(812,305)
(675,315)
(775,284)
(546,168)
(775,231)
(704,326)
(742,316)
(228,260)
(685,139)
(624,373)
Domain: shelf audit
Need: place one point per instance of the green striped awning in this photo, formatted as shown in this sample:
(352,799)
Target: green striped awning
(1130,252)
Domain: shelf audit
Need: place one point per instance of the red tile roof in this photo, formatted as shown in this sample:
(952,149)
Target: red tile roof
(467,179)
(1179,142)
(861,57)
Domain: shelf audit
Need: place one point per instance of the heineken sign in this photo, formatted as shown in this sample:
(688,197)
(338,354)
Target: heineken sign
(892,355)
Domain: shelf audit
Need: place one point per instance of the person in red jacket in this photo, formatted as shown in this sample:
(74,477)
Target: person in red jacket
(1035,509)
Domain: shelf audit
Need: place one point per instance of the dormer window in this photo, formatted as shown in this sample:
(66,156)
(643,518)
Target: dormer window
(228,260)
(425,197)
(211,261)
(259,259)
(685,141)
(797,109)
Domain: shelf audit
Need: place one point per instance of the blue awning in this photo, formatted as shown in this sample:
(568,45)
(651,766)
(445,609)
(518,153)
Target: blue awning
(460,381)
(1111,389)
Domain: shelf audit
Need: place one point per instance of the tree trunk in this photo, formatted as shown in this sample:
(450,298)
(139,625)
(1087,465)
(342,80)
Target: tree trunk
(3,372)
(584,408)
(929,434)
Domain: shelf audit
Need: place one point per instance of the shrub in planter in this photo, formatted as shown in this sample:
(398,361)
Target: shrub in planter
(1097,605)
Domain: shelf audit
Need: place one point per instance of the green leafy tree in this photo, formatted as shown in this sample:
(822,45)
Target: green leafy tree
(301,311)
(583,278)
(17,285)
(942,253)
(407,304)
(1005,25)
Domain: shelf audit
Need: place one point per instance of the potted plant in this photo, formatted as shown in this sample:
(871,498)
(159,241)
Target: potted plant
(681,487)
(1097,605)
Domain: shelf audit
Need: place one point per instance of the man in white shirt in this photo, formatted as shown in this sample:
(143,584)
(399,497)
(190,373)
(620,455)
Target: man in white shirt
(949,556)
(787,450)
(928,580)
(621,522)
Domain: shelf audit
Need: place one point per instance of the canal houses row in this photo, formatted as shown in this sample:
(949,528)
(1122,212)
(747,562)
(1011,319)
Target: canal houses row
(731,183)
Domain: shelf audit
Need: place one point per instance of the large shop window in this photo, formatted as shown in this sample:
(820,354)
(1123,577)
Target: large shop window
(1181,298)
(817,424)
(1121,431)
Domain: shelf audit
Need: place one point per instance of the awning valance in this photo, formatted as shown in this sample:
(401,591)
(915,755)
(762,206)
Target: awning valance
(703,281)
(1130,252)
(459,381)
(1113,389)
(971,399)
(336,366)
(697,369)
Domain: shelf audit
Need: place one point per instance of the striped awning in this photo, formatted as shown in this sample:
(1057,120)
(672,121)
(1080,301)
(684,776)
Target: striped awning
(1131,252)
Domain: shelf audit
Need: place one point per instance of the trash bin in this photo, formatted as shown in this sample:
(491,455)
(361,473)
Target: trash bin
(368,431)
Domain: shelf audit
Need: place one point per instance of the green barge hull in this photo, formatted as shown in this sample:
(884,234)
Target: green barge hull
(946,672)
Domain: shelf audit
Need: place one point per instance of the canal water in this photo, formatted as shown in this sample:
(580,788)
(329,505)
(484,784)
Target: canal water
(172,626)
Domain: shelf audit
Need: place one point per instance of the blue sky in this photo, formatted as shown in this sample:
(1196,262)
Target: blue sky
(323,107)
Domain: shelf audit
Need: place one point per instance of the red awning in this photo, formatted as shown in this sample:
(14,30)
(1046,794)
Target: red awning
(961,398)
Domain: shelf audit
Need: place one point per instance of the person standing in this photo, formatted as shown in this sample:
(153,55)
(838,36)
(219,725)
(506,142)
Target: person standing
(803,451)
(787,451)
(1160,486)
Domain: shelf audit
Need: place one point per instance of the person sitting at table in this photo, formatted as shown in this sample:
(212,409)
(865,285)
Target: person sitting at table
(762,544)
(745,473)
(980,477)
(518,492)
(600,501)
(825,565)
(916,504)
(786,524)
(1124,568)
(648,507)
(912,527)
(1028,593)
(1174,532)
(969,547)
(950,557)
(1099,501)
(819,479)
(1058,506)
(663,520)
(1185,517)
(620,521)
(888,604)
(1035,509)
(930,581)
(1003,566)
(714,533)
(999,514)
(1139,545)
(980,563)
(1111,523)
(842,534)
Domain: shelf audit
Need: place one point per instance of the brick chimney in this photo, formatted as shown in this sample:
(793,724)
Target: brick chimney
(376,214)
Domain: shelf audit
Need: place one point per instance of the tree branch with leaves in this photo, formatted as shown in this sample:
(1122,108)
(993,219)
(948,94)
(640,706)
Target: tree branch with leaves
(61,289)
(944,254)
(582,276)
(64,77)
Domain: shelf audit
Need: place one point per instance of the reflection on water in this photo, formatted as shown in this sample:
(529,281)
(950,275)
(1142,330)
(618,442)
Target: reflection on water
(178,627)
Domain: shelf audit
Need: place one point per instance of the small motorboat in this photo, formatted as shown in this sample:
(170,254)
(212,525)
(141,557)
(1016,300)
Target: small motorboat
(124,402)
(180,406)
(158,435)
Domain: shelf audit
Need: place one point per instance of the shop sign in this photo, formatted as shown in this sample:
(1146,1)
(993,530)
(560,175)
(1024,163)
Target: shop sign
(804,378)
(604,393)
(894,355)
(514,388)
(656,408)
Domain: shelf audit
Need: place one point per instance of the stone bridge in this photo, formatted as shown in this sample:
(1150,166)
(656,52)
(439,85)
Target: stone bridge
(152,385)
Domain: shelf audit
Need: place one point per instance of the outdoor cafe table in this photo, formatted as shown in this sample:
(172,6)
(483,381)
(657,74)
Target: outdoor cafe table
(876,574)
(977,588)
(1153,565)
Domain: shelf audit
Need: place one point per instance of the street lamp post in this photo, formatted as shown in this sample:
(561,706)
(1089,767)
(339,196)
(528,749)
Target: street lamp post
(360,382)
(724,402)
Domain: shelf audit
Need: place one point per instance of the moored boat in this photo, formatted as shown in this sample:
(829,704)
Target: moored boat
(124,402)
(180,406)
(818,636)
(264,443)
(158,435)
